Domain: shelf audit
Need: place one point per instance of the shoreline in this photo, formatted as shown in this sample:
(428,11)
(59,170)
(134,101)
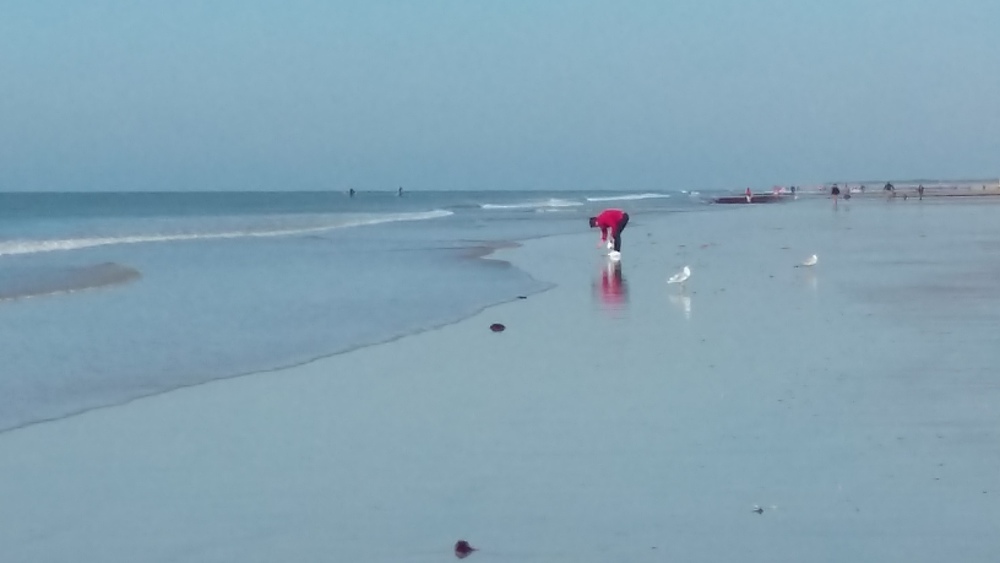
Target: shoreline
(929,191)
(484,252)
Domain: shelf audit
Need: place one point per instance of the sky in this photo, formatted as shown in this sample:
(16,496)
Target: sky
(491,94)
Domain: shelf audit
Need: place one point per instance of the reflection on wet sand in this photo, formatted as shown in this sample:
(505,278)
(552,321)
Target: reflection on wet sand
(611,289)
(683,302)
(811,280)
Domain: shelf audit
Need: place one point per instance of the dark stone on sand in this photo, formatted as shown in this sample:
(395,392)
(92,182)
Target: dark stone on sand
(497,327)
(463,549)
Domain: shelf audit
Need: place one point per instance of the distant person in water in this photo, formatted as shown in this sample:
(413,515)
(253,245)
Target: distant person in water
(749,195)
(920,192)
(400,192)
(351,192)
(890,190)
(611,222)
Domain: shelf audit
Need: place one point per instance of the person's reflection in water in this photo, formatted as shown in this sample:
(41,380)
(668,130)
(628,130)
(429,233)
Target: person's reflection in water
(613,289)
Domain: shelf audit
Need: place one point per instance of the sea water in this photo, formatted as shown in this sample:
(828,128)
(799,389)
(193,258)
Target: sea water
(107,297)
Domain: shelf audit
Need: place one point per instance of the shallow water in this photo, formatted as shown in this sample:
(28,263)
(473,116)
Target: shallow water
(139,293)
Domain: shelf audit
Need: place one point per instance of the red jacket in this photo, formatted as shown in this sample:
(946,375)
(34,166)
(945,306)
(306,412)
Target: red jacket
(608,221)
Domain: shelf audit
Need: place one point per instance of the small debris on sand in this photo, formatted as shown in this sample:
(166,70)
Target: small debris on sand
(463,549)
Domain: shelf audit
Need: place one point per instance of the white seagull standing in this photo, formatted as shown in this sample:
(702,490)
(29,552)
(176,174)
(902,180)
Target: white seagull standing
(811,261)
(681,276)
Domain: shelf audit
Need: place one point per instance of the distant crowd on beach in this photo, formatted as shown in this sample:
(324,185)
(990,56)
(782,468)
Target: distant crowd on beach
(891,192)
(888,189)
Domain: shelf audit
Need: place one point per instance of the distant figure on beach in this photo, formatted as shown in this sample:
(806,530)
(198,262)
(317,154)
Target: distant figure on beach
(793,191)
(400,192)
(890,190)
(749,195)
(920,192)
(351,192)
(611,222)
(862,188)
(835,193)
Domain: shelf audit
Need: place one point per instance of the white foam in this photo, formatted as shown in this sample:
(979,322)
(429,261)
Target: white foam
(551,202)
(628,197)
(14,247)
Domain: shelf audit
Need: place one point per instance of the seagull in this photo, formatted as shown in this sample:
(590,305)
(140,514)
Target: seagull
(680,277)
(758,509)
(811,261)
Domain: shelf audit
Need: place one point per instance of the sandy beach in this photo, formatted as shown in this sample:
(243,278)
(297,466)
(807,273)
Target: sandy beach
(615,419)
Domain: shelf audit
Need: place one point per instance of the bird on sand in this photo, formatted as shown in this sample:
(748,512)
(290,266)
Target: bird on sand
(811,261)
(681,276)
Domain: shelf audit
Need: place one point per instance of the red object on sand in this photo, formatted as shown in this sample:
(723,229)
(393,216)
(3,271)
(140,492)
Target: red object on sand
(463,549)
(497,327)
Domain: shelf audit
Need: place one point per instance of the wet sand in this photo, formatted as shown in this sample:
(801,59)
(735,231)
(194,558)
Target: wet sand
(616,419)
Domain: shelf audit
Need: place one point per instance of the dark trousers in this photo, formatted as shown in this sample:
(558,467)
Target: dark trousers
(617,232)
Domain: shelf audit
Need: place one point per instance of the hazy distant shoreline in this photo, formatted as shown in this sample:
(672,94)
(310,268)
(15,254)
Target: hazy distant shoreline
(929,184)
(937,189)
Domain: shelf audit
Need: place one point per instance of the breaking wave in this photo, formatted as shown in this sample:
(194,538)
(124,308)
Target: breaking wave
(628,197)
(15,247)
(549,203)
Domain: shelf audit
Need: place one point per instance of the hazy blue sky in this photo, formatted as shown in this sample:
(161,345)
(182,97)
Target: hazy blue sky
(662,94)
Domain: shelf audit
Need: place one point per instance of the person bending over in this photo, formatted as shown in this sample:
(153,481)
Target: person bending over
(611,222)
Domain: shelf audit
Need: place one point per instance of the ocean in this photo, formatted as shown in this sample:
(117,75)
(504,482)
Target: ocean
(108,297)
